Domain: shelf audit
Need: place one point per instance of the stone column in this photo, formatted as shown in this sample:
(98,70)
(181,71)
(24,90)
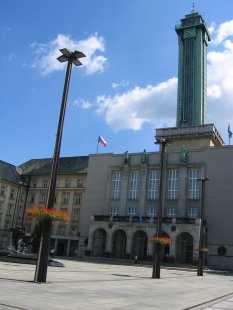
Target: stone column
(182,192)
(129,243)
(109,241)
(142,198)
(124,187)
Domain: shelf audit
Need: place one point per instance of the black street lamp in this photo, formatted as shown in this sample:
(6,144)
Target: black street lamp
(201,239)
(26,184)
(42,263)
(157,259)
(16,203)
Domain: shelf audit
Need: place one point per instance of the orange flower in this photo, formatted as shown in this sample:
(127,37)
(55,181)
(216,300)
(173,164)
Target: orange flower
(53,213)
(162,240)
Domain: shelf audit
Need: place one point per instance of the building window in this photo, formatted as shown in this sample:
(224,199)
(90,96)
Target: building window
(7,225)
(77,199)
(9,209)
(43,197)
(21,198)
(152,212)
(171,212)
(32,198)
(75,215)
(73,231)
(114,211)
(34,183)
(12,194)
(79,183)
(65,198)
(194,184)
(193,212)
(116,185)
(173,184)
(45,183)
(2,191)
(67,183)
(61,230)
(75,212)
(134,184)
(153,185)
(132,211)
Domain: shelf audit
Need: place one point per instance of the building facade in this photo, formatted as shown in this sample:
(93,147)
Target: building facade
(31,189)
(121,205)
(13,192)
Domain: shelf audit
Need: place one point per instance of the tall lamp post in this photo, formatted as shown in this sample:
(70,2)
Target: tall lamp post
(201,240)
(157,259)
(42,263)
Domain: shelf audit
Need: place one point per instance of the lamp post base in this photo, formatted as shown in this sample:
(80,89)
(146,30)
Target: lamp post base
(42,264)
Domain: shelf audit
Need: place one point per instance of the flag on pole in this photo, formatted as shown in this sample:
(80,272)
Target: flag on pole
(229,131)
(102,141)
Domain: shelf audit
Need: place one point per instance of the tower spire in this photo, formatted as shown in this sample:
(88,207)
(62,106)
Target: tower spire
(193,10)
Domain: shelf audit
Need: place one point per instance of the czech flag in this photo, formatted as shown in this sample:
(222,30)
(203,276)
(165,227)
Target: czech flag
(102,141)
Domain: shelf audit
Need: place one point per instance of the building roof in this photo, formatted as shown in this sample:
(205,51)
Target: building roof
(66,165)
(9,172)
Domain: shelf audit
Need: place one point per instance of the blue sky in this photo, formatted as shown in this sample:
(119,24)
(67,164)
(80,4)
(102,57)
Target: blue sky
(127,85)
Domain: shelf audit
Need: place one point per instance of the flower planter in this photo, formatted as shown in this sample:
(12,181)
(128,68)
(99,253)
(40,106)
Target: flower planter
(50,214)
(161,240)
(203,250)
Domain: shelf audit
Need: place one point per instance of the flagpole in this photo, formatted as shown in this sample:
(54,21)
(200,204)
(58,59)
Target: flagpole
(98,147)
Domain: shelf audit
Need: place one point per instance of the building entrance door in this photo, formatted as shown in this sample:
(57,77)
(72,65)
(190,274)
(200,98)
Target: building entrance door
(184,248)
(99,242)
(119,244)
(140,245)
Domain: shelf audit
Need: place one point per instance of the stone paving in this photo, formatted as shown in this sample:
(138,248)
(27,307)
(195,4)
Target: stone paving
(101,286)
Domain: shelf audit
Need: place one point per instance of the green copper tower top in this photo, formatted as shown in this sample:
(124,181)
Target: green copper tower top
(192,71)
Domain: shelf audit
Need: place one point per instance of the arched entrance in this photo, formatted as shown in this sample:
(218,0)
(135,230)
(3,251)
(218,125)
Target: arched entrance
(184,248)
(140,244)
(99,242)
(119,244)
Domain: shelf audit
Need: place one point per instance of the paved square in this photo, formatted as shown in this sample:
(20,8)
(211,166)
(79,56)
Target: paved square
(101,286)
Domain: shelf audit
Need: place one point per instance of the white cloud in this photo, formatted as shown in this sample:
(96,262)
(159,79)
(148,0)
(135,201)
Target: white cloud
(220,79)
(130,110)
(224,31)
(46,54)
(157,104)
(214,91)
(122,83)
(82,103)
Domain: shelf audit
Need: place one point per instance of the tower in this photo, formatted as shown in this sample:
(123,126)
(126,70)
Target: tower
(193,37)
(191,131)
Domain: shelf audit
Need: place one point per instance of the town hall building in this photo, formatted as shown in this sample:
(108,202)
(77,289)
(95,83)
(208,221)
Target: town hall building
(122,193)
